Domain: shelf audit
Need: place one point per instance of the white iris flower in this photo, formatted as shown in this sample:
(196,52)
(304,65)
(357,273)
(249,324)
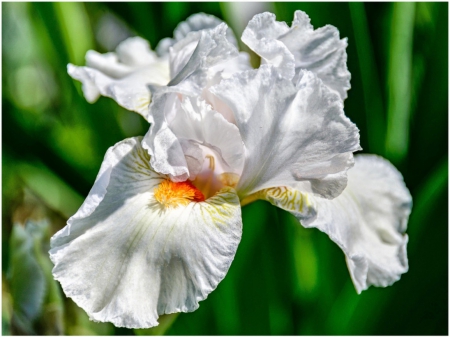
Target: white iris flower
(127,74)
(162,223)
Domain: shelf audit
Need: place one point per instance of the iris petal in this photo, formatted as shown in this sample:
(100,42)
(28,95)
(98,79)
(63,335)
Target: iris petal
(129,259)
(298,47)
(194,23)
(294,135)
(367,221)
(124,76)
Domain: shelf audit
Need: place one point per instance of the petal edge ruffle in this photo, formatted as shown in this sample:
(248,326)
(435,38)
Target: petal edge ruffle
(294,135)
(130,259)
(367,221)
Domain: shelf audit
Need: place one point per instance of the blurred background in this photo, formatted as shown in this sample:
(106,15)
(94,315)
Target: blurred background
(285,280)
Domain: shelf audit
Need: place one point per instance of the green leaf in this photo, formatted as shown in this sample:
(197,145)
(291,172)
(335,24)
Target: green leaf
(50,188)
(430,190)
(399,81)
(76,30)
(342,310)
(373,103)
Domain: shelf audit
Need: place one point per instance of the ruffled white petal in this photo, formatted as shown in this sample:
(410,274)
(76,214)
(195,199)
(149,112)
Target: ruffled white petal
(124,75)
(368,221)
(162,144)
(130,54)
(193,55)
(222,71)
(180,54)
(197,122)
(131,92)
(300,47)
(134,52)
(198,60)
(194,23)
(294,135)
(261,35)
(165,141)
(128,259)
(174,138)
(234,65)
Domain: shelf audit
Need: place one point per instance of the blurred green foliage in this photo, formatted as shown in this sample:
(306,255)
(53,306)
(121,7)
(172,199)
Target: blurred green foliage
(284,279)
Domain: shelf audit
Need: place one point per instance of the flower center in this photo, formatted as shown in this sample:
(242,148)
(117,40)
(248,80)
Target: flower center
(172,194)
(214,174)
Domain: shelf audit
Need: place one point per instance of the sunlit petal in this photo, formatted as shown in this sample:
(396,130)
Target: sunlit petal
(294,135)
(129,259)
(194,23)
(300,47)
(124,76)
(176,135)
(261,35)
(193,55)
(368,221)
(164,144)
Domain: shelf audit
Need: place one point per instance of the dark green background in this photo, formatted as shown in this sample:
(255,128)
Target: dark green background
(284,279)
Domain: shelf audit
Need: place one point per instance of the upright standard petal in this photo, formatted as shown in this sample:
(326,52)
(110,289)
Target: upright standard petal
(261,35)
(194,23)
(198,52)
(300,47)
(201,60)
(137,254)
(167,143)
(294,135)
(198,123)
(124,76)
(187,131)
(367,221)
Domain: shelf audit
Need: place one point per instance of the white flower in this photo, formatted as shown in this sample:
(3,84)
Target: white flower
(300,47)
(271,114)
(123,75)
(127,74)
(130,254)
(162,223)
(368,220)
